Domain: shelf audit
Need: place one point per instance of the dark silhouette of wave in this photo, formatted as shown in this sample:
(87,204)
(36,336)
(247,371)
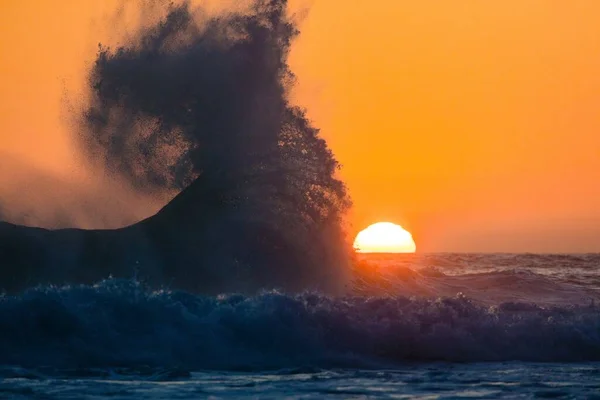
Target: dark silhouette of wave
(201,107)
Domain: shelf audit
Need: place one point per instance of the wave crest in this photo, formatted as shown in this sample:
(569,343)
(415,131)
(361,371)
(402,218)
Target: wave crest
(119,323)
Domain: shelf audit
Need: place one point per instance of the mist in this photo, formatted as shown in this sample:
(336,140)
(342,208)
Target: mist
(33,196)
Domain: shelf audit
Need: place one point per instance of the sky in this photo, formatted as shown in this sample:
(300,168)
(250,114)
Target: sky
(473,124)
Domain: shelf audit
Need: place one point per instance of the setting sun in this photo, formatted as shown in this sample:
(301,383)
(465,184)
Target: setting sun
(384,237)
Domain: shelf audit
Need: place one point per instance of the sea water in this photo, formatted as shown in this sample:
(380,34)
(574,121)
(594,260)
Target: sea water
(410,326)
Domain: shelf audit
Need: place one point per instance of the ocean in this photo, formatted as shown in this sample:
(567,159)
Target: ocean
(410,326)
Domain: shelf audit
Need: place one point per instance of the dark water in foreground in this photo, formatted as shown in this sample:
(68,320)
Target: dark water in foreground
(417,326)
(419,381)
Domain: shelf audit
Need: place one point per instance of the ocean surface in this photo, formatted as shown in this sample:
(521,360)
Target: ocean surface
(410,326)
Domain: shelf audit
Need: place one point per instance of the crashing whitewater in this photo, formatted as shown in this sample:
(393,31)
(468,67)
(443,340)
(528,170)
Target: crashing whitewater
(121,323)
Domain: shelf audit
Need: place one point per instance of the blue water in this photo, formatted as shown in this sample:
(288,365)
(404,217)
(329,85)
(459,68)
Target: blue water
(416,381)
(432,326)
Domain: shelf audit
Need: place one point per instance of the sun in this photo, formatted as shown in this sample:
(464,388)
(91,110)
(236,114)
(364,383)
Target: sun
(384,237)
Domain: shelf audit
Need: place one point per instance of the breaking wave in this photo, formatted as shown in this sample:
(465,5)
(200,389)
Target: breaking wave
(198,105)
(118,323)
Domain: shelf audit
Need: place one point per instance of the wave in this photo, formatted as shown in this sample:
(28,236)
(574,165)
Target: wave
(488,278)
(199,105)
(119,323)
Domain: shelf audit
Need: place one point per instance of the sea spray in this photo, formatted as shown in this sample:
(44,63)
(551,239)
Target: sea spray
(201,106)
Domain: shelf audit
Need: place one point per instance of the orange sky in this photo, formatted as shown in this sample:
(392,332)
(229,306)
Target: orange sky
(474,124)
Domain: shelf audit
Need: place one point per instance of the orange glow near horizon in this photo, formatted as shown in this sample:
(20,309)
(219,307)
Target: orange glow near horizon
(384,237)
(473,124)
